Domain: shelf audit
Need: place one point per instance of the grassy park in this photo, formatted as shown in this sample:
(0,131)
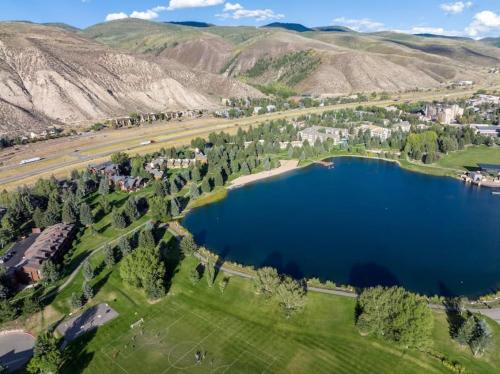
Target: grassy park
(238,331)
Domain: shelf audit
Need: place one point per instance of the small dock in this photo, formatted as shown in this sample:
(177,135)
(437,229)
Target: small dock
(326,164)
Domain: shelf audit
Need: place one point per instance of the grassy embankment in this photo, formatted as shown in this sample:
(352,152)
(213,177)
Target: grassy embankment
(241,332)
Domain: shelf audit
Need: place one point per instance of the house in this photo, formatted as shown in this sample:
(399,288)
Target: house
(484,99)
(375,131)
(321,133)
(200,156)
(127,183)
(51,245)
(106,168)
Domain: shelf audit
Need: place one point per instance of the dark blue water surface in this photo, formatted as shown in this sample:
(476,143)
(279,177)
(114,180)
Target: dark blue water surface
(363,223)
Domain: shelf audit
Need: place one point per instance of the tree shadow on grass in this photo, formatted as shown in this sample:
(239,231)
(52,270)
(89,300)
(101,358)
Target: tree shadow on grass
(172,256)
(76,358)
(101,282)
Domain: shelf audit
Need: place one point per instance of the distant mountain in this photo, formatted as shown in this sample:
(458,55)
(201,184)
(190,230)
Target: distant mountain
(492,41)
(333,29)
(63,26)
(191,23)
(289,26)
(442,36)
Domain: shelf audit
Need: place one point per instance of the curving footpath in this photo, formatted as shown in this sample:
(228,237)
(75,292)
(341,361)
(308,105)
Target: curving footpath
(493,313)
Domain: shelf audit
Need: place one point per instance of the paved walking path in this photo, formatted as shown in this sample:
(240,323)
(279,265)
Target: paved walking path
(100,248)
(493,313)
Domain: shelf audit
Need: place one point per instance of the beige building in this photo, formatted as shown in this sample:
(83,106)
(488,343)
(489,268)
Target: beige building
(321,133)
(375,131)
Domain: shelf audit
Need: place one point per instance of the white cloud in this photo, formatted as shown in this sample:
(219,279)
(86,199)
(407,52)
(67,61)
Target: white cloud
(364,24)
(149,14)
(456,8)
(179,4)
(483,23)
(237,11)
(116,16)
(228,7)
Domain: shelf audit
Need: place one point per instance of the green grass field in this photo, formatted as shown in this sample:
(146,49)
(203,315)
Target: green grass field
(243,333)
(471,157)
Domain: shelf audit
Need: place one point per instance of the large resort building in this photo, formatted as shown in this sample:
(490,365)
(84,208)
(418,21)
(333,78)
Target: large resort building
(33,252)
(322,134)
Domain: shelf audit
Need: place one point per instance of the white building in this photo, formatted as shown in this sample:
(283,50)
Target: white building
(445,114)
(314,133)
(375,131)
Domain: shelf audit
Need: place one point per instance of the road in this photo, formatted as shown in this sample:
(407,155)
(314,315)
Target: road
(62,155)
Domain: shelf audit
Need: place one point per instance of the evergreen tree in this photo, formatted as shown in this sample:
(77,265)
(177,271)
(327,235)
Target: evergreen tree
(125,247)
(86,217)
(117,219)
(158,188)
(147,239)
(104,186)
(69,215)
(53,212)
(49,272)
(188,245)
(47,357)
(39,218)
(210,273)
(196,174)
(7,311)
(194,275)
(245,170)
(109,256)
(194,191)
(158,208)
(218,180)
(88,291)
(205,185)
(223,284)
(175,209)
(131,210)
(105,204)
(88,271)
(76,301)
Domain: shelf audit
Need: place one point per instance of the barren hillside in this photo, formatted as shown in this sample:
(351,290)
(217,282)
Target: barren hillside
(348,61)
(49,75)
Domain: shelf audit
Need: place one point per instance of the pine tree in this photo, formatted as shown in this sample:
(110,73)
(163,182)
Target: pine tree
(76,301)
(194,191)
(86,217)
(104,186)
(53,212)
(125,247)
(188,245)
(205,185)
(245,169)
(88,291)
(105,204)
(109,258)
(49,272)
(196,174)
(39,218)
(68,213)
(210,272)
(147,239)
(158,188)
(175,209)
(218,180)
(157,208)
(88,271)
(117,219)
(131,210)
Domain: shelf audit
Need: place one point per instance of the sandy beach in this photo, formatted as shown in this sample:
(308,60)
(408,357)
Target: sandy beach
(286,166)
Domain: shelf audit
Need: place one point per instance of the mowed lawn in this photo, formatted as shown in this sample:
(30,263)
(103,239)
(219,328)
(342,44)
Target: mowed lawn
(239,332)
(471,157)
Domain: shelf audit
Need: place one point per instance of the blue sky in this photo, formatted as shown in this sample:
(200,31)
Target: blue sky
(469,18)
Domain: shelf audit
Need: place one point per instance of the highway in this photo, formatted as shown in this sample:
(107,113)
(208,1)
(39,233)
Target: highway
(62,155)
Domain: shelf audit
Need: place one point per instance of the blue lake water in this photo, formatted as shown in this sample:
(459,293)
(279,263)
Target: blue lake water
(363,223)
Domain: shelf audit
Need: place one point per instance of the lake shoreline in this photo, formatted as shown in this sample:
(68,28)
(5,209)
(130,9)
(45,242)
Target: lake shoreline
(286,167)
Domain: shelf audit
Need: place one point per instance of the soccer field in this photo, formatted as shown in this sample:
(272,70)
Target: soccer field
(196,329)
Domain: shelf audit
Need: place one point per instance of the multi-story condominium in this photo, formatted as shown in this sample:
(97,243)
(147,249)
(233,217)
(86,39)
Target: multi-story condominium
(314,133)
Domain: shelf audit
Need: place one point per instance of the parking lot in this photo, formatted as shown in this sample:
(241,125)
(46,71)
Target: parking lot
(16,348)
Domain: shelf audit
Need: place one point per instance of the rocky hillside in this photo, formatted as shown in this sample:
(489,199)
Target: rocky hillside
(50,75)
(338,60)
